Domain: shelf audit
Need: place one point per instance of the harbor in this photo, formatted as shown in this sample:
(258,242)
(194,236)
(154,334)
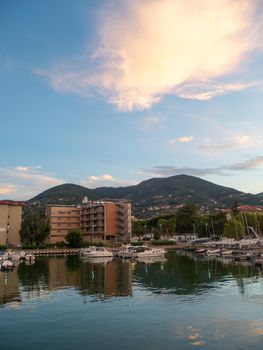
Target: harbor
(245,252)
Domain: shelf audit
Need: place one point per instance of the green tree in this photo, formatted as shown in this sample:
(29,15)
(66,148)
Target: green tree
(138,228)
(74,238)
(171,225)
(35,228)
(162,226)
(233,229)
(185,218)
(235,209)
(218,222)
(157,233)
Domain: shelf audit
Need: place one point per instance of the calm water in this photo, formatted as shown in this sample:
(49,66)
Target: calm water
(182,303)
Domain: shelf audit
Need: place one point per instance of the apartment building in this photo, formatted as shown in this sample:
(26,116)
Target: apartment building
(62,219)
(98,220)
(11,213)
(106,220)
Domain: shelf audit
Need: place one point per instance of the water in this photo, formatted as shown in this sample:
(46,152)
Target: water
(182,303)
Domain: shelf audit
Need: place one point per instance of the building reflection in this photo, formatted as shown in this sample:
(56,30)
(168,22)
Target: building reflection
(9,287)
(63,274)
(106,280)
(101,280)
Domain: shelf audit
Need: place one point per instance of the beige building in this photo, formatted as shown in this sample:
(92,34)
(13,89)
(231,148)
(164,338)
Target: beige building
(62,219)
(11,213)
(106,220)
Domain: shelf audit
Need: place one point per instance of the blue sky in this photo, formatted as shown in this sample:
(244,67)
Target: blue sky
(114,92)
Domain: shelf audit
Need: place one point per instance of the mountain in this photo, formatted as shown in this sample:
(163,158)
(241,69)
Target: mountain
(62,194)
(154,196)
(260,196)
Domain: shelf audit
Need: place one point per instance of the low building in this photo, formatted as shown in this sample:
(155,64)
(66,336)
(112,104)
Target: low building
(106,220)
(62,219)
(11,213)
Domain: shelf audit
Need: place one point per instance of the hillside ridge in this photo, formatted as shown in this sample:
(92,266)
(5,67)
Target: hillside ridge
(154,196)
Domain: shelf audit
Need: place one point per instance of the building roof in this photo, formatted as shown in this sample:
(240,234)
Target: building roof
(251,208)
(13,203)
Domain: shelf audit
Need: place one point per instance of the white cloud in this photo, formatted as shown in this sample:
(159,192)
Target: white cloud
(182,139)
(23,182)
(231,142)
(207,89)
(104,180)
(147,49)
(243,140)
(22,168)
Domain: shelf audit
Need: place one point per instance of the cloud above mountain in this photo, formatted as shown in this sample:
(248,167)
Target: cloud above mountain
(147,49)
(170,170)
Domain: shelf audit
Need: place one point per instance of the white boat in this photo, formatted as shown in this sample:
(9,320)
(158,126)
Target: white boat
(213,252)
(127,252)
(151,252)
(200,251)
(96,252)
(227,252)
(7,265)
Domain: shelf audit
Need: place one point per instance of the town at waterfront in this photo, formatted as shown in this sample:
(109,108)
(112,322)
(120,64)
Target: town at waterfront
(131,197)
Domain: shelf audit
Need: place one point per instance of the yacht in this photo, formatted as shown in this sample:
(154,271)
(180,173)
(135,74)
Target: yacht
(127,252)
(96,252)
(150,252)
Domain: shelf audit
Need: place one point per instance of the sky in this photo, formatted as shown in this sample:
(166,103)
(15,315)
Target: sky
(111,93)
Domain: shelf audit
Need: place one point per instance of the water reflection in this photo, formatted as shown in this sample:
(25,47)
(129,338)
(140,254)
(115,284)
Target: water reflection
(100,279)
(178,274)
(9,286)
(185,274)
(106,280)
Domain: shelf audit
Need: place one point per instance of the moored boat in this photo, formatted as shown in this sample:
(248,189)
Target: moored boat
(151,252)
(96,252)
(227,252)
(213,252)
(7,265)
(200,251)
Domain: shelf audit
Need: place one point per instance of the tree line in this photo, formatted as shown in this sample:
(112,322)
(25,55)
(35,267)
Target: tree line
(186,220)
(35,228)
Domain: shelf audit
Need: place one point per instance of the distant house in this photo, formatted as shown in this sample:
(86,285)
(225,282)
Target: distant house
(251,208)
